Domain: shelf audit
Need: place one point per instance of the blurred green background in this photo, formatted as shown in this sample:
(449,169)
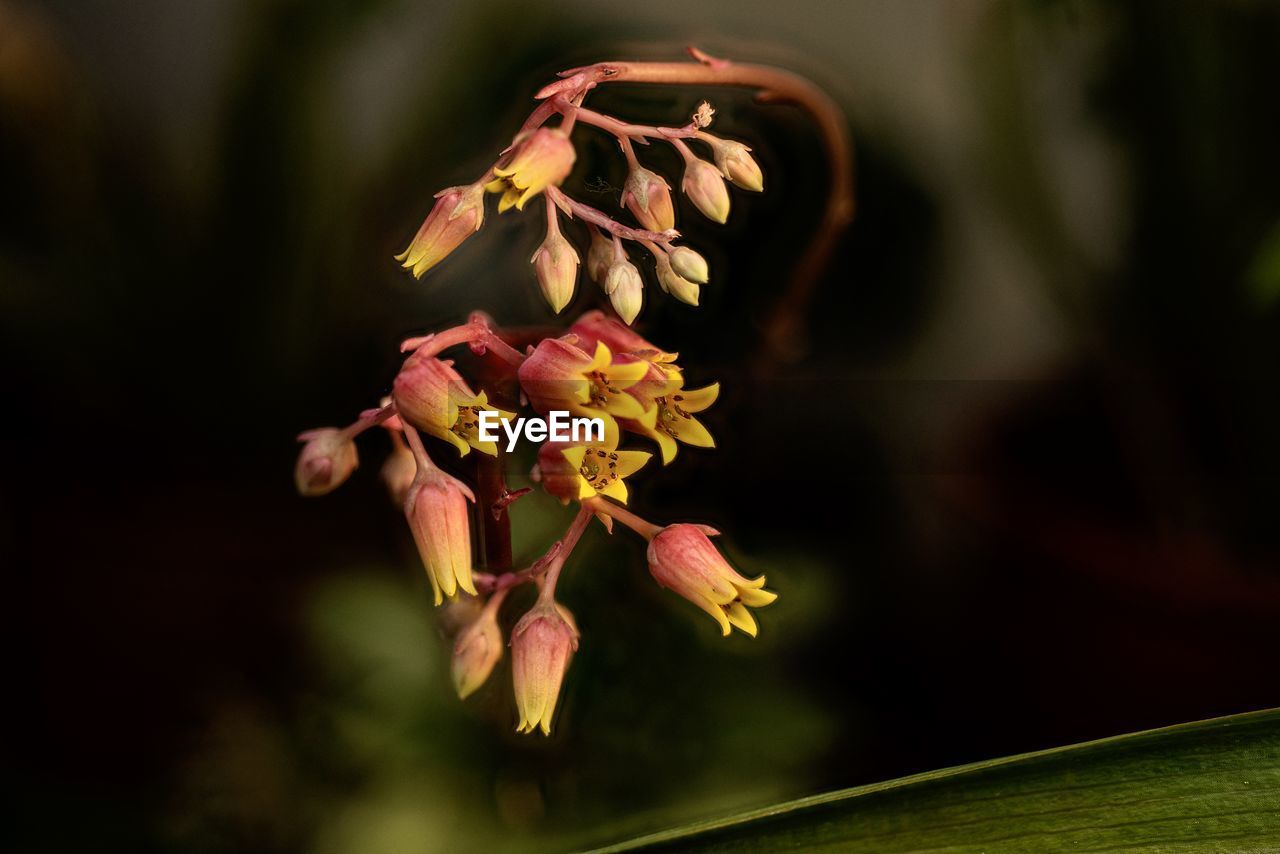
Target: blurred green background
(1046,356)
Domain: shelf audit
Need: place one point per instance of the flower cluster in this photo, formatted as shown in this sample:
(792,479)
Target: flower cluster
(599,369)
(537,163)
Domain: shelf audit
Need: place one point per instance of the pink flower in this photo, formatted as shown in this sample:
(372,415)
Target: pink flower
(437,512)
(682,558)
(458,213)
(542,644)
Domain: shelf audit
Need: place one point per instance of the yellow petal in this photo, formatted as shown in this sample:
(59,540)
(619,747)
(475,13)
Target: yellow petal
(691,432)
(756,598)
(741,617)
(617,490)
(698,399)
(629,462)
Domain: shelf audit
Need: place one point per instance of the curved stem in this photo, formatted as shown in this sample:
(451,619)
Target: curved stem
(566,546)
(608,223)
(644,528)
(368,418)
(772,85)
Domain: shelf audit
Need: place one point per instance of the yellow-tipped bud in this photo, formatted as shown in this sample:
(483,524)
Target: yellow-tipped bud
(436,508)
(682,558)
(705,187)
(458,213)
(625,288)
(648,196)
(673,283)
(542,644)
(735,162)
(689,264)
(556,265)
(543,158)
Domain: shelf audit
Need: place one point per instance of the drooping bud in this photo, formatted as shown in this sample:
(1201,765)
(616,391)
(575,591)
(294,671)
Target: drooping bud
(327,459)
(399,469)
(458,213)
(599,256)
(735,162)
(648,196)
(625,288)
(421,392)
(543,158)
(542,644)
(705,187)
(556,264)
(436,508)
(689,264)
(477,649)
(682,558)
(675,284)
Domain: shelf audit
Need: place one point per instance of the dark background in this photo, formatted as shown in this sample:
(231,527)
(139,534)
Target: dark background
(1041,507)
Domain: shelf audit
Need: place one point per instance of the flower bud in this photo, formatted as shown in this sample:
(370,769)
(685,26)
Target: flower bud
(542,644)
(399,469)
(436,508)
(735,162)
(625,288)
(675,284)
(421,392)
(476,650)
(599,256)
(683,559)
(689,264)
(543,158)
(458,213)
(556,264)
(648,196)
(705,187)
(327,459)
(556,474)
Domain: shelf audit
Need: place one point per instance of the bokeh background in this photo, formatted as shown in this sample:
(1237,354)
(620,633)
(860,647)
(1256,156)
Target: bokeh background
(1041,507)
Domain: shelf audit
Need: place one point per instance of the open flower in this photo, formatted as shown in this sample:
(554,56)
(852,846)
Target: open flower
(545,157)
(595,326)
(670,411)
(433,397)
(542,644)
(682,558)
(458,213)
(327,459)
(559,376)
(578,472)
(436,508)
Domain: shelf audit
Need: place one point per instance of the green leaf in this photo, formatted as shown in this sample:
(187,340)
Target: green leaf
(1207,786)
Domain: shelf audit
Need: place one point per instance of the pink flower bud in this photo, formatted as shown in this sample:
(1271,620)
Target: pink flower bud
(689,264)
(556,264)
(543,158)
(625,288)
(675,284)
(421,393)
(735,162)
(648,196)
(599,256)
(458,213)
(476,650)
(436,508)
(705,187)
(399,470)
(553,376)
(542,644)
(327,459)
(683,559)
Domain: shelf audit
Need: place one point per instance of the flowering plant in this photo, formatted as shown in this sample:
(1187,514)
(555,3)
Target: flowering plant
(599,368)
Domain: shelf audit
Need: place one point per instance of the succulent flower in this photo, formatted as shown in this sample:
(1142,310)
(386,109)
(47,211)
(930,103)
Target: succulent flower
(457,214)
(682,558)
(542,644)
(327,459)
